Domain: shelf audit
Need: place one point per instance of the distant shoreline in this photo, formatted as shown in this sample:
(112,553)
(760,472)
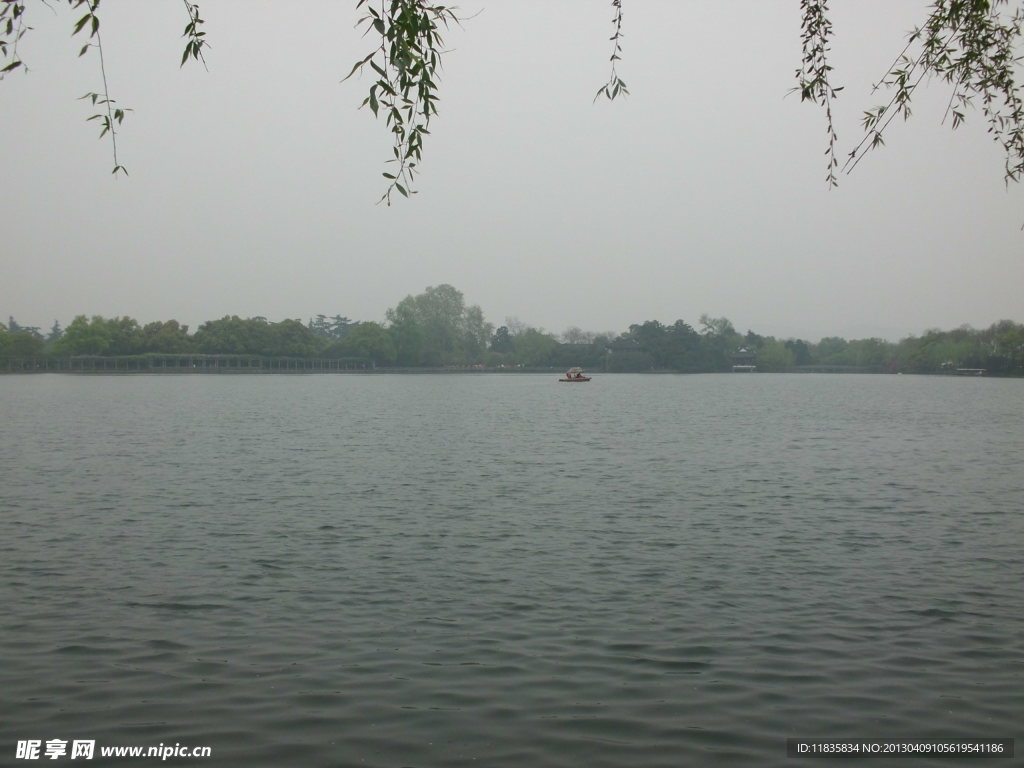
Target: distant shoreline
(435,331)
(132,366)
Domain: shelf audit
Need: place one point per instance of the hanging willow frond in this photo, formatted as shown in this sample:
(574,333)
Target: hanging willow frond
(407,64)
(615,85)
(814,75)
(972,45)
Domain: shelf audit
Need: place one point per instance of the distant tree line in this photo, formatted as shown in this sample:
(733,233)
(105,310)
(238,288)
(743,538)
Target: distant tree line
(436,329)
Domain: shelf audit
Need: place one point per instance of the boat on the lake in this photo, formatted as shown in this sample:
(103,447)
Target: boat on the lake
(575,375)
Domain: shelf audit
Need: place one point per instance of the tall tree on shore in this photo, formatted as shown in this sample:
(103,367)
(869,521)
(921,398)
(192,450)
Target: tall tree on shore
(436,328)
(55,332)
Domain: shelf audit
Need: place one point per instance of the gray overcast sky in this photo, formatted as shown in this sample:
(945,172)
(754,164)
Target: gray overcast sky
(253,186)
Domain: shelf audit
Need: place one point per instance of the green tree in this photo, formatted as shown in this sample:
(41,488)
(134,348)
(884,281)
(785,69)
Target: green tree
(100,336)
(673,346)
(652,338)
(19,344)
(720,327)
(331,327)
(938,350)
(167,337)
(1004,346)
(625,354)
(436,328)
(367,340)
(439,310)
(26,345)
(870,353)
(406,335)
(476,334)
(125,336)
(534,348)
(753,341)
(801,351)
(501,341)
(231,335)
(14,327)
(291,338)
(831,350)
(55,333)
(775,356)
(682,347)
(718,342)
(84,337)
(566,355)
(575,335)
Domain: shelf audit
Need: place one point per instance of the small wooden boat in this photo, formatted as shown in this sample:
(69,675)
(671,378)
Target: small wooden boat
(575,375)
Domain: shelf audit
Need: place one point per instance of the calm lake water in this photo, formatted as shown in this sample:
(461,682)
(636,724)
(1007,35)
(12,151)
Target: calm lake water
(500,571)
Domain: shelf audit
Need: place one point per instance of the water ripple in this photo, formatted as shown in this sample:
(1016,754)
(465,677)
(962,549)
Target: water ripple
(465,571)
